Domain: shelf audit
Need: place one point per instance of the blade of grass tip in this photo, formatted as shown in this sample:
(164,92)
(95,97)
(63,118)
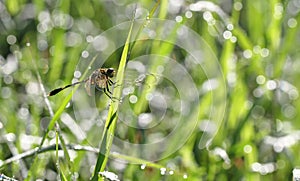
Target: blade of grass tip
(143,25)
(112,116)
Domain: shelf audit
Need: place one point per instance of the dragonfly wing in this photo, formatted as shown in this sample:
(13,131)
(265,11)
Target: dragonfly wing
(88,86)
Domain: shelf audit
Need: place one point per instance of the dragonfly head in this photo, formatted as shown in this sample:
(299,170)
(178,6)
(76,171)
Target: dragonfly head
(110,72)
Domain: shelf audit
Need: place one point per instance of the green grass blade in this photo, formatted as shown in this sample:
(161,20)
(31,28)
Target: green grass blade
(112,113)
(58,57)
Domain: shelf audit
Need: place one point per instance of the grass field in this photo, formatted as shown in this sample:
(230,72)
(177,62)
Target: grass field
(202,90)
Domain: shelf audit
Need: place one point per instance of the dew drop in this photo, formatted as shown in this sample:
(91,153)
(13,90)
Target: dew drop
(292,23)
(10,137)
(32,88)
(230,26)
(143,166)
(188,14)
(160,69)
(85,54)
(278,9)
(257,49)
(185,176)
(6,92)
(293,94)
(178,19)
(149,96)
(77,74)
(271,84)
(89,38)
(11,39)
(207,16)
(238,6)
(264,52)
(68,105)
(258,92)
(247,148)
(260,79)
(163,171)
(133,99)
(247,54)
(289,111)
(8,79)
(233,39)
(227,34)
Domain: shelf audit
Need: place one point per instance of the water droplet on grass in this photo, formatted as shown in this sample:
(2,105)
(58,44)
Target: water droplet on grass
(292,23)
(163,171)
(143,166)
(185,176)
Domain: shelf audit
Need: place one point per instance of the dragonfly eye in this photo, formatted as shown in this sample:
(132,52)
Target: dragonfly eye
(110,72)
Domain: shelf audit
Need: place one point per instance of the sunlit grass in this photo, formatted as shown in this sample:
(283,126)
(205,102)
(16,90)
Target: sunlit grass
(255,43)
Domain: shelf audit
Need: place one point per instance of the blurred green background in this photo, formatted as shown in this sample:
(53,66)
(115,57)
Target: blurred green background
(256,43)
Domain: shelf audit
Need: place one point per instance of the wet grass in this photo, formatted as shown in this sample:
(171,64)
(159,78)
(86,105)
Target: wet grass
(254,42)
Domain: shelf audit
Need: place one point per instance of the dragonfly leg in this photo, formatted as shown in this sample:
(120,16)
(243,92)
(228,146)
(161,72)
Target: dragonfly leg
(107,88)
(107,94)
(110,82)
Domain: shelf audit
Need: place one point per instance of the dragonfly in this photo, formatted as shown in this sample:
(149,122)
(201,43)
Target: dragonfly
(101,78)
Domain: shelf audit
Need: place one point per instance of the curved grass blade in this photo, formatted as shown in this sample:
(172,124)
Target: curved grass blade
(112,116)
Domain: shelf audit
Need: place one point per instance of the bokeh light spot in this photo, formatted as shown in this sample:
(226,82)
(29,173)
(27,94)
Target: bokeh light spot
(11,39)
